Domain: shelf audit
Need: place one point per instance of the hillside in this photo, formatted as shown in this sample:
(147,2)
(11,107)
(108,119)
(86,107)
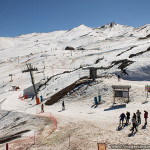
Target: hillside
(63,76)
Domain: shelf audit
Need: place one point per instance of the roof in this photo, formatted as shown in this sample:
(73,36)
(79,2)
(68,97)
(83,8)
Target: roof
(121,86)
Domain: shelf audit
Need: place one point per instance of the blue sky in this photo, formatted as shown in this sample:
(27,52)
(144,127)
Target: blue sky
(27,16)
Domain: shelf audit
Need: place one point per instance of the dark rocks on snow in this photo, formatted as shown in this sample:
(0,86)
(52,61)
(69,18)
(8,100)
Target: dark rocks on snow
(69,48)
(140,53)
(142,38)
(80,48)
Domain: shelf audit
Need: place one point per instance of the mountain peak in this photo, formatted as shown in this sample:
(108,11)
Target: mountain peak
(82,26)
(112,24)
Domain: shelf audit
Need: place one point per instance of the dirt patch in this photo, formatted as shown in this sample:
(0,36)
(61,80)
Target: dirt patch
(71,139)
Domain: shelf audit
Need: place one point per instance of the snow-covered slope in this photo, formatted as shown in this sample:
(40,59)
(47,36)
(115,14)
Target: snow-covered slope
(112,42)
(113,46)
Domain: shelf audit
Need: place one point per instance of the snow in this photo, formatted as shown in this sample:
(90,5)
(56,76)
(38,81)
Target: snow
(81,120)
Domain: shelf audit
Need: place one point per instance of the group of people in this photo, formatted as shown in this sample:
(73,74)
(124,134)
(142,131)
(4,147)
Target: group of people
(136,119)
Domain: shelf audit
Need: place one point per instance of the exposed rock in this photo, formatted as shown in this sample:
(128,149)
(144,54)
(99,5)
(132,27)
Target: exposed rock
(69,48)
(140,53)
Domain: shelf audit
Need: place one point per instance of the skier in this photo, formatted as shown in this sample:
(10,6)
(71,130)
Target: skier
(134,123)
(118,77)
(122,117)
(145,116)
(63,105)
(42,108)
(127,117)
(138,113)
(134,116)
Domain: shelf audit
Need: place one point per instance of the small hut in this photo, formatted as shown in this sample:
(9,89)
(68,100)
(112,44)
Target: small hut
(121,91)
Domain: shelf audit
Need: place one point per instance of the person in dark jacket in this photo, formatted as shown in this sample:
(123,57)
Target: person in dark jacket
(138,113)
(127,117)
(42,108)
(145,116)
(118,77)
(63,105)
(134,116)
(134,123)
(122,117)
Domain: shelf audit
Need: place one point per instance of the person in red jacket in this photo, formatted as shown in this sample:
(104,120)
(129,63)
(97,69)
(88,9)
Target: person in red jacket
(145,116)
